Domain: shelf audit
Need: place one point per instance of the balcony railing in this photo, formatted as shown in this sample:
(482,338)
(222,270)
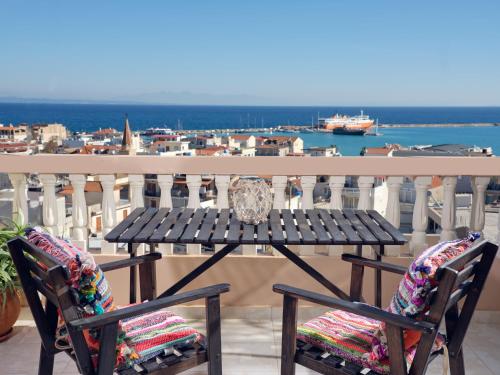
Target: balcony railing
(106,168)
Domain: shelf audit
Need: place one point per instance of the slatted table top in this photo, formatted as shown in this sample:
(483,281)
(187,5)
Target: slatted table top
(214,226)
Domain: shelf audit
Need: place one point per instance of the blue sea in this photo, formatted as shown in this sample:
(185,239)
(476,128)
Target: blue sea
(90,117)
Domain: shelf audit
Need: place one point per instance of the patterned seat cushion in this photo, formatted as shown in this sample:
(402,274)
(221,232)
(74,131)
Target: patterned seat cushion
(350,337)
(140,338)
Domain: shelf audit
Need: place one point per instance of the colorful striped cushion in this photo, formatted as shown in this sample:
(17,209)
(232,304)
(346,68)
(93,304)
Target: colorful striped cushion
(158,332)
(350,337)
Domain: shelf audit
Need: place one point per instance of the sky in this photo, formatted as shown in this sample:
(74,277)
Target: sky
(309,52)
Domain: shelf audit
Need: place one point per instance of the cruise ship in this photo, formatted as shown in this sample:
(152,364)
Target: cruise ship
(342,124)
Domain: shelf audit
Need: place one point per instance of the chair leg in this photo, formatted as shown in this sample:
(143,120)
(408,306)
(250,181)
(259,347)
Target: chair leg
(214,335)
(46,364)
(289,333)
(457,364)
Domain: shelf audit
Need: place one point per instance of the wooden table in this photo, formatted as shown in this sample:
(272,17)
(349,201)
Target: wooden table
(284,227)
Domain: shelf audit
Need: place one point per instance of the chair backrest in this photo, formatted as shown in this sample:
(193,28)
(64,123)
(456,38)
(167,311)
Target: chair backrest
(460,279)
(39,272)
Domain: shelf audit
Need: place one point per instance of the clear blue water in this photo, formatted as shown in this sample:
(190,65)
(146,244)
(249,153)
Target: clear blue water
(78,117)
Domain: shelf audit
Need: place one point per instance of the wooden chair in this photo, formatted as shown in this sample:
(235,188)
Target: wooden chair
(51,283)
(461,278)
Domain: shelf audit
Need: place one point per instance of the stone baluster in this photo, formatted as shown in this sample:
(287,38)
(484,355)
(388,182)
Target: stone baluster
(20,199)
(420,214)
(279,186)
(365,185)
(448,213)
(308,183)
(165,182)
(49,208)
(477,215)
(336,184)
(194,184)
(79,210)
(279,200)
(222,184)
(108,211)
(393,209)
(136,196)
(136,183)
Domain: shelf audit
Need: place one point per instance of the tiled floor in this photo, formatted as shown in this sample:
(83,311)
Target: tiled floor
(249,347)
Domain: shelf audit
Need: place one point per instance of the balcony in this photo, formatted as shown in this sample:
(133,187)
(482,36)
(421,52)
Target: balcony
(253,270)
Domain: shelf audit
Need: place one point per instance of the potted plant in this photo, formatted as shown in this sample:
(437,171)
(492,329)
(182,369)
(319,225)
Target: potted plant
(10,306)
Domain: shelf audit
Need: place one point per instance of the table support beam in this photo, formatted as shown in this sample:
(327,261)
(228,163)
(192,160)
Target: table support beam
(199,270)
(311,271)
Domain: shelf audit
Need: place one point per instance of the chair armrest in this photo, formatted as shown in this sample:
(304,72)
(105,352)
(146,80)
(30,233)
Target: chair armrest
(129,262)
(356,308)
(146,307)
(354,259)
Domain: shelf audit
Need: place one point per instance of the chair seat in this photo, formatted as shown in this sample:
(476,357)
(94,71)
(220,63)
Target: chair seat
(157,333)
(348,336)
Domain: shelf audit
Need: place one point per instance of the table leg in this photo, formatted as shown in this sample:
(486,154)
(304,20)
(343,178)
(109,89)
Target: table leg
(311,271)
(379,252)
(147,278)
(199,270)
(132,250)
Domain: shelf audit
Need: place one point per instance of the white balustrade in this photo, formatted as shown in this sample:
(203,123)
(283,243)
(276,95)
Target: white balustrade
(108,211)
(336,184)
(420,214)
(20,199)
(165,182)
(49,209)
(194,184)
(308,183)
(365,185)
(448,212)
(79,210)
(477,215)
(393,209)
(136,183)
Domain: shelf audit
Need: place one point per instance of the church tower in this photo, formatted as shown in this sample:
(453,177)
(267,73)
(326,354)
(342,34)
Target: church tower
(127,144)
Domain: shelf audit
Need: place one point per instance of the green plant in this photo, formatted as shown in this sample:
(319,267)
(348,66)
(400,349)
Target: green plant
(8,274)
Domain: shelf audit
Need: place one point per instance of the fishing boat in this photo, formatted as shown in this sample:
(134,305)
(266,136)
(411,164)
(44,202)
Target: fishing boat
(342,124)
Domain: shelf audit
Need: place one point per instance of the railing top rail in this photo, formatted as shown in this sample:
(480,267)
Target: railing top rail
(262,165)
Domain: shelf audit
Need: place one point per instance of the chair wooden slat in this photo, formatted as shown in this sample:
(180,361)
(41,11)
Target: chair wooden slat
(292,234)
(117,231)
(148,230)
(319,230)
(165,226)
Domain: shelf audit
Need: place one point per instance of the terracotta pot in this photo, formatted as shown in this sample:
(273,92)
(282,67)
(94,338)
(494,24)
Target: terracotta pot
(9,314)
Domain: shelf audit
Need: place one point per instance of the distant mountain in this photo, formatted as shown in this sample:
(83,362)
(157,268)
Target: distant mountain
(161,97)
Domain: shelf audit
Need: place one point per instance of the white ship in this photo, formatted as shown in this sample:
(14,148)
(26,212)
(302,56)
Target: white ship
(343,124)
